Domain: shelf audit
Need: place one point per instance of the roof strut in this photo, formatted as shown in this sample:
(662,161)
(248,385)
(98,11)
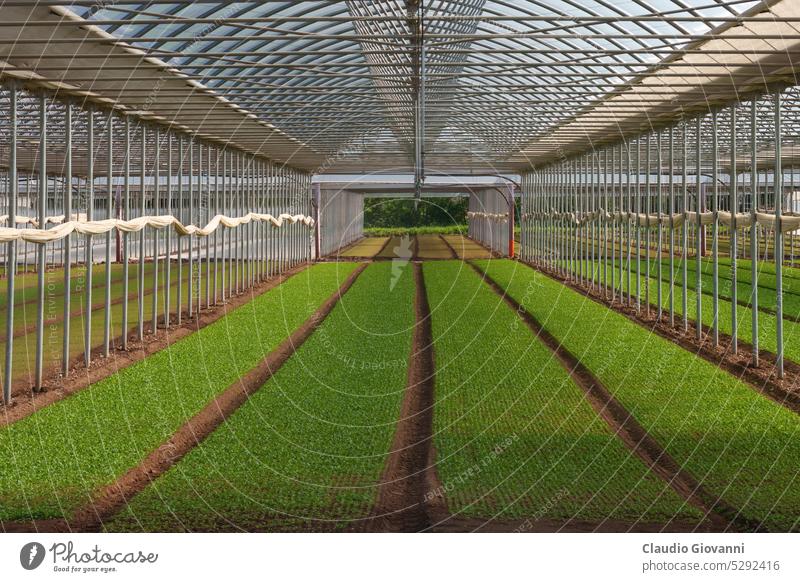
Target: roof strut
(415,9)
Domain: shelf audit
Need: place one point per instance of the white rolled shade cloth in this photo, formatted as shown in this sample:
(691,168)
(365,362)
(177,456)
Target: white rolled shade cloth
(48,220)
(40,236)
(497,217)
(741,220)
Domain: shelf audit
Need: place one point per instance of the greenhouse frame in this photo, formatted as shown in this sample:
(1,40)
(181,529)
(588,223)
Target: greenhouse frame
(604,341)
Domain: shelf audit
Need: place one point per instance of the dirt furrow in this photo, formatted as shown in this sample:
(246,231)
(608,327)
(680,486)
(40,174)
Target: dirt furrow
(410,468)
(453,252)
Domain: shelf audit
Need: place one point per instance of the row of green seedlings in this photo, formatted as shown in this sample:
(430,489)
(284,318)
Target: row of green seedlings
(60,456)
(736,442)
(648,287)
(307,450)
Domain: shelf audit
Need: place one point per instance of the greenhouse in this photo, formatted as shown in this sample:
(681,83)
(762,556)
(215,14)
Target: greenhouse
(400,266)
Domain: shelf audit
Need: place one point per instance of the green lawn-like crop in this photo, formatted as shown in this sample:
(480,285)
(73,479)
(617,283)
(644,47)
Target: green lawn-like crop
(306,450)
(399,247)
(56,458)
(24,346)
(366,247)
(412,230)
(766,321)
(767,296)
(736,442)
(515,437)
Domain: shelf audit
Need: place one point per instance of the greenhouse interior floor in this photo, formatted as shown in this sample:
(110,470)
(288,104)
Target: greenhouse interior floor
(412,384)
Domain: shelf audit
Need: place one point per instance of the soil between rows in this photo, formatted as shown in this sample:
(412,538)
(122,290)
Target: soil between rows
(410,470)
(453,252)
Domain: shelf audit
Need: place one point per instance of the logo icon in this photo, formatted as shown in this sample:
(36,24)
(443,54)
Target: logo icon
(403,254)
(31,555)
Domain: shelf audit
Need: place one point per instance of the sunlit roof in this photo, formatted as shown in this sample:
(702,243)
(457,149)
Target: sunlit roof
(336,76)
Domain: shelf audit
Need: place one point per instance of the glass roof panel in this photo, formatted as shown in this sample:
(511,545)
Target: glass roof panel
(497,74)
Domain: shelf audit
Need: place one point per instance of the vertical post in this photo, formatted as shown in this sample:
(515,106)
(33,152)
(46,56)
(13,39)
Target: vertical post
(566,227)
(235,211)
(660,228)
(316,196)
(182,218)
(685,230)
(638,224)
(628,228)
(610,171)
(109,214)
(41,251)
(270,209)
(126,215)
(264,225)
(225,233)
(260,225)
(216,232)
(648,210)
(778,235)
(733,196)
(671,227)
(575,229)
(11,249)
(248,208)
(206,220)
(236,195)
(523,225)
(190,287)
(699,243)
(156,212)
(168,236)
(511,209)
(142,212)
(65,343)
(580,213)
(280,199)
(563,249)
(593,202)
(293,210)
(620,211)
(586,171)
(290,200)
(715,226)
(602,171)
(197,221)
(87,330)
(754,226)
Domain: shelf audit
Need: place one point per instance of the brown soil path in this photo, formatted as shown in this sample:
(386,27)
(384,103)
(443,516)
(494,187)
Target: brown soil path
(409,471)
